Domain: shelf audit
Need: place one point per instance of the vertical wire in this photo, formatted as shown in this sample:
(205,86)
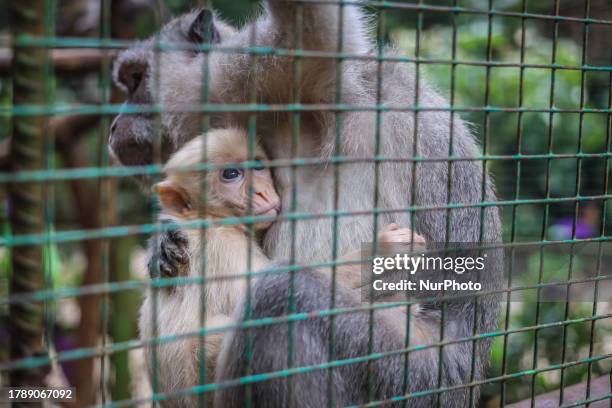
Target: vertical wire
(449,188)
(606,180)
(377,136)
(252,129)
(104,184)
(413,167)
(338,117)
(204,398)
(519,139)
(156,159)
(483,187)
(585,36)
(295,120)
(546,205)
(49,188)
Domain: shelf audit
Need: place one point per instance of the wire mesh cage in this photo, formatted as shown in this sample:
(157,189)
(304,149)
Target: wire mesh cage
(306,203)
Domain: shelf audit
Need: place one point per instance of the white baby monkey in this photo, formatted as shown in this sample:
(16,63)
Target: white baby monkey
(186,195)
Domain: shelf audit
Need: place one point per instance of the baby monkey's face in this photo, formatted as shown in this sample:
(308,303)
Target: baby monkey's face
(229,189)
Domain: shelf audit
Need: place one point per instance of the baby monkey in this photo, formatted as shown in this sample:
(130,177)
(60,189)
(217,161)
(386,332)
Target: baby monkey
(185,195)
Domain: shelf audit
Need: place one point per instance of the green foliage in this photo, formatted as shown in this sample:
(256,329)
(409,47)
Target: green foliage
(520,349)
(471,86)
(236,12)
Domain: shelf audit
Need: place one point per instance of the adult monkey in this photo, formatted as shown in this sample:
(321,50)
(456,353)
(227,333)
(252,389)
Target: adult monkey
(232,78)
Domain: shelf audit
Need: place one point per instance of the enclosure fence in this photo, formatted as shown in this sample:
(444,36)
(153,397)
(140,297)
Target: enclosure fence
(546,139)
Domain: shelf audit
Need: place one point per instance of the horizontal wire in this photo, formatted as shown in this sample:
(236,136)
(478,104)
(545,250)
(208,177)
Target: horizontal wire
(141,229)
(108,349)
(161,283)
(115,109)
(84,43)
(156,169)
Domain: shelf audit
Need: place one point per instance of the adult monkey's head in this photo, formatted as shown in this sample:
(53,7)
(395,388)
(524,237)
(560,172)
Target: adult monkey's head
(171,76)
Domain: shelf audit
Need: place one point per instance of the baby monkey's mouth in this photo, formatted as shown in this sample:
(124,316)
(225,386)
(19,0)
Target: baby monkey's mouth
(272,210)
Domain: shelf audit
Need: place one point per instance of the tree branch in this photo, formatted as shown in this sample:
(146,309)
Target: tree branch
(66,60)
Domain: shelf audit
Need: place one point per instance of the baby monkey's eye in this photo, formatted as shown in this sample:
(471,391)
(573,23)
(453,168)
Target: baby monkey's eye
(258,165)
(229,175)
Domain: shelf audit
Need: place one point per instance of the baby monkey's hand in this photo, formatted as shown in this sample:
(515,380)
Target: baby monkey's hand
(392,233)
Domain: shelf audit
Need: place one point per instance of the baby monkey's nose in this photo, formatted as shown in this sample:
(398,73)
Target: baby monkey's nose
(263,195)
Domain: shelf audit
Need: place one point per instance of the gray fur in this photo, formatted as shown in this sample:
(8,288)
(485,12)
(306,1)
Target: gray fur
(231,79)
(311,346)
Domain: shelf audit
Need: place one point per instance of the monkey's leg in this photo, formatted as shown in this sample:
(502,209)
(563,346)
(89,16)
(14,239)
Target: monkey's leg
(212,343)
(270,349)
(310,346)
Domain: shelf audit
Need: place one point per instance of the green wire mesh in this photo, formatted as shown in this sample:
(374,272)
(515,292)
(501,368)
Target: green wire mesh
(535,79)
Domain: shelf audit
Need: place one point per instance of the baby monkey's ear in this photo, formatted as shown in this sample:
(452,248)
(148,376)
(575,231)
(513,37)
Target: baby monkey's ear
(173,198)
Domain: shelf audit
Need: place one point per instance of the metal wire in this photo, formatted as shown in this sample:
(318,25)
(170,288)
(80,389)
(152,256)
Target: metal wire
(34,220)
